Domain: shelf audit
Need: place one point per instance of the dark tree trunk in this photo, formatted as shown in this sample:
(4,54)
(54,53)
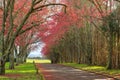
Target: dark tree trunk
(2,67)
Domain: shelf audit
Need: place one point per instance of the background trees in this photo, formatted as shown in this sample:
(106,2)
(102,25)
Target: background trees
(93,37)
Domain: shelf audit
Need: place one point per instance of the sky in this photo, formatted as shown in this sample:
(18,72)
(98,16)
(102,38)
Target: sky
(37,52)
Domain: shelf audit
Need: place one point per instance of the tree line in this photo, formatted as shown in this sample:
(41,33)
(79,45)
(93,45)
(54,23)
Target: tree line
(96,42)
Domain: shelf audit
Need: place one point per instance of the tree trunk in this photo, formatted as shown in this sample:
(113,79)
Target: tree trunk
(19,60)
(11,60)
(25,58)
(110,51)
(2,67)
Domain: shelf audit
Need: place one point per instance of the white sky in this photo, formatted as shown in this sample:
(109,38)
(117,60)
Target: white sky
(37,52)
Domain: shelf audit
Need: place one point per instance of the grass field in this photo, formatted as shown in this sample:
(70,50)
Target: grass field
(38,60)
(24,71)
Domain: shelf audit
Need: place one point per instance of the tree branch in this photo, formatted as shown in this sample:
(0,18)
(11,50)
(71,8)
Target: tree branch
(40,7)
(27,29)
(117,0)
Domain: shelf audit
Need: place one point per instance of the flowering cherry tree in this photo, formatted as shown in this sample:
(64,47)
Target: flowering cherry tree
(17,17)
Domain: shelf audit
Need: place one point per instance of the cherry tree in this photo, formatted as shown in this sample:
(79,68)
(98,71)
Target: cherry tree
(15,20)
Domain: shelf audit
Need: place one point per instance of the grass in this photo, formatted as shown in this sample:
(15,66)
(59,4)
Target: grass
(38,60)
(98,69)
(24,71)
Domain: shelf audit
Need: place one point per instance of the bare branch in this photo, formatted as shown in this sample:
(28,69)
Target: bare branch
(40,7)
(27,29)
(98,8)
(37,2)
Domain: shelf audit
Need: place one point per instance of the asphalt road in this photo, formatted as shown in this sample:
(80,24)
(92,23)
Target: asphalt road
(60,72)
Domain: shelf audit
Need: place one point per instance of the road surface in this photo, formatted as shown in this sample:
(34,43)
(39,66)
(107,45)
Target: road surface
(60,72)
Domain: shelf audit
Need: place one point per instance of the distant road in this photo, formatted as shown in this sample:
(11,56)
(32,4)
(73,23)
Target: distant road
(60,72)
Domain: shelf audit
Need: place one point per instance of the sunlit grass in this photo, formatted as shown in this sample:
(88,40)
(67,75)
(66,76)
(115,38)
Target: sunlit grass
(38,60)
(23,68)
(98,69)
(26,71)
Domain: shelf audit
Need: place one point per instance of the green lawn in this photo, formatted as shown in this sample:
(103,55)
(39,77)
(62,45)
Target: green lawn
(98,69)
(38,60)
(24,71)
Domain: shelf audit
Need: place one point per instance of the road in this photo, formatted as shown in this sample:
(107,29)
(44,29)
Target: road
(60,72)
